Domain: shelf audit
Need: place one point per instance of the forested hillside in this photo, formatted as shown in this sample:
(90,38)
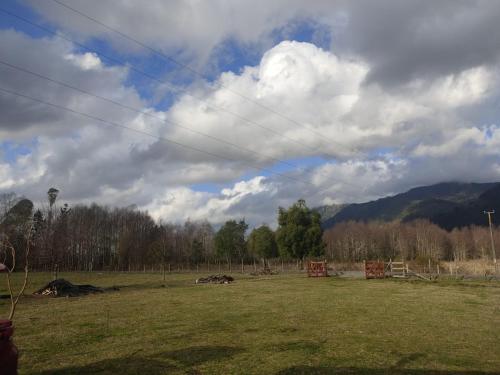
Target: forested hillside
(448,205)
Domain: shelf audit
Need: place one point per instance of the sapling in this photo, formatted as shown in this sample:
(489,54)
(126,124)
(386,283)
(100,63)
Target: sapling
(8,249)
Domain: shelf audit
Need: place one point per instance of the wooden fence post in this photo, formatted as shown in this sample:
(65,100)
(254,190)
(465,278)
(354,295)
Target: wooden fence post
(54,275)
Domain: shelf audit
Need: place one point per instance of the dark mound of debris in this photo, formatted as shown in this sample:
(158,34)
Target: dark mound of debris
(63,288)
(264,272)
(215,279)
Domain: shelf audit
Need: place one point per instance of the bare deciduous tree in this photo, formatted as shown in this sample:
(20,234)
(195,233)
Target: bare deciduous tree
(8,249)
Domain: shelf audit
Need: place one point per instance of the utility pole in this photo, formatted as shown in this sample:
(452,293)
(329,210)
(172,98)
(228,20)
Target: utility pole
(489,213)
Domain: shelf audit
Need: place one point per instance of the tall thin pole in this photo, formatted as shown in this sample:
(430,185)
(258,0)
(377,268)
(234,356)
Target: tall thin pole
(489,213)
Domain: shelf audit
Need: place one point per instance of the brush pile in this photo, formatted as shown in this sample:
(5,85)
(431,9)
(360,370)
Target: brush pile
(264,272)
(215,279)
(63,288)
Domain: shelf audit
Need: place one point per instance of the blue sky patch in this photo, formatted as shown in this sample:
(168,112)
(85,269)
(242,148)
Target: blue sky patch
(11,22)
(10,150)
(305,30)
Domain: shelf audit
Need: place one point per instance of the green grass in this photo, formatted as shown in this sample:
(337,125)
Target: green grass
(284,324)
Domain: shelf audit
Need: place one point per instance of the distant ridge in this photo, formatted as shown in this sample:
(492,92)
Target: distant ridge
(449,205)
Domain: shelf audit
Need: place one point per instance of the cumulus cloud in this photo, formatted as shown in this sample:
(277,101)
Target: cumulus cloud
(236,201)
(402,40)
(382,111)
(83,157)
(412,40)
(190,29)
(56,59)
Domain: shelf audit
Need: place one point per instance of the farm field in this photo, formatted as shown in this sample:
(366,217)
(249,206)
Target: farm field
(282,324)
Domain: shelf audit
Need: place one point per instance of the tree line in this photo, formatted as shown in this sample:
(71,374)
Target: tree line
(95,237)
(419,239)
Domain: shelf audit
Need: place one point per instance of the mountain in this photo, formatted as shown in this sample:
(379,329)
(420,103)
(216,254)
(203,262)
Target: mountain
(329,211)
(471,213)
(449,205)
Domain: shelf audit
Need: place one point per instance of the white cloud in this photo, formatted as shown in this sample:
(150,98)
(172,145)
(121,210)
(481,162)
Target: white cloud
(313,87)
(375,140)
(180,204)
(86,61)
(192,27)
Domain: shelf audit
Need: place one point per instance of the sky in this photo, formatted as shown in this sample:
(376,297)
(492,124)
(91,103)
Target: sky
(228,109)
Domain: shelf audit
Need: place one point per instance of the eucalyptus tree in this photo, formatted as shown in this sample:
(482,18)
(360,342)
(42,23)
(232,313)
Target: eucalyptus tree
(262,244)
(299,232)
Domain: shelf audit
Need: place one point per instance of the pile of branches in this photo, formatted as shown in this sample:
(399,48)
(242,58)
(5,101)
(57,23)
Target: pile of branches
(215,279)
(264,272)
(63,288)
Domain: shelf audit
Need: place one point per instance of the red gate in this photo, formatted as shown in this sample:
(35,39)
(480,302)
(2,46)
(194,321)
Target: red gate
(317,269)
(374,269)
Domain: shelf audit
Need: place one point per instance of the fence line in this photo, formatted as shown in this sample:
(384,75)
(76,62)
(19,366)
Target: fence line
(470,267)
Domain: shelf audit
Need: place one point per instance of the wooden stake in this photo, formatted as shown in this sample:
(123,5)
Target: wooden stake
(489,213)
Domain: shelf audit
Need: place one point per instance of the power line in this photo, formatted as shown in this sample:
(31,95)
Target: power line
(158,80)
(153,78)
(168,140)
(196,72)
(165,139)
(145,113)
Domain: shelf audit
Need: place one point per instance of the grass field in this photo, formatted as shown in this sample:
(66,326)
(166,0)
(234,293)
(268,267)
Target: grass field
(283,324)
